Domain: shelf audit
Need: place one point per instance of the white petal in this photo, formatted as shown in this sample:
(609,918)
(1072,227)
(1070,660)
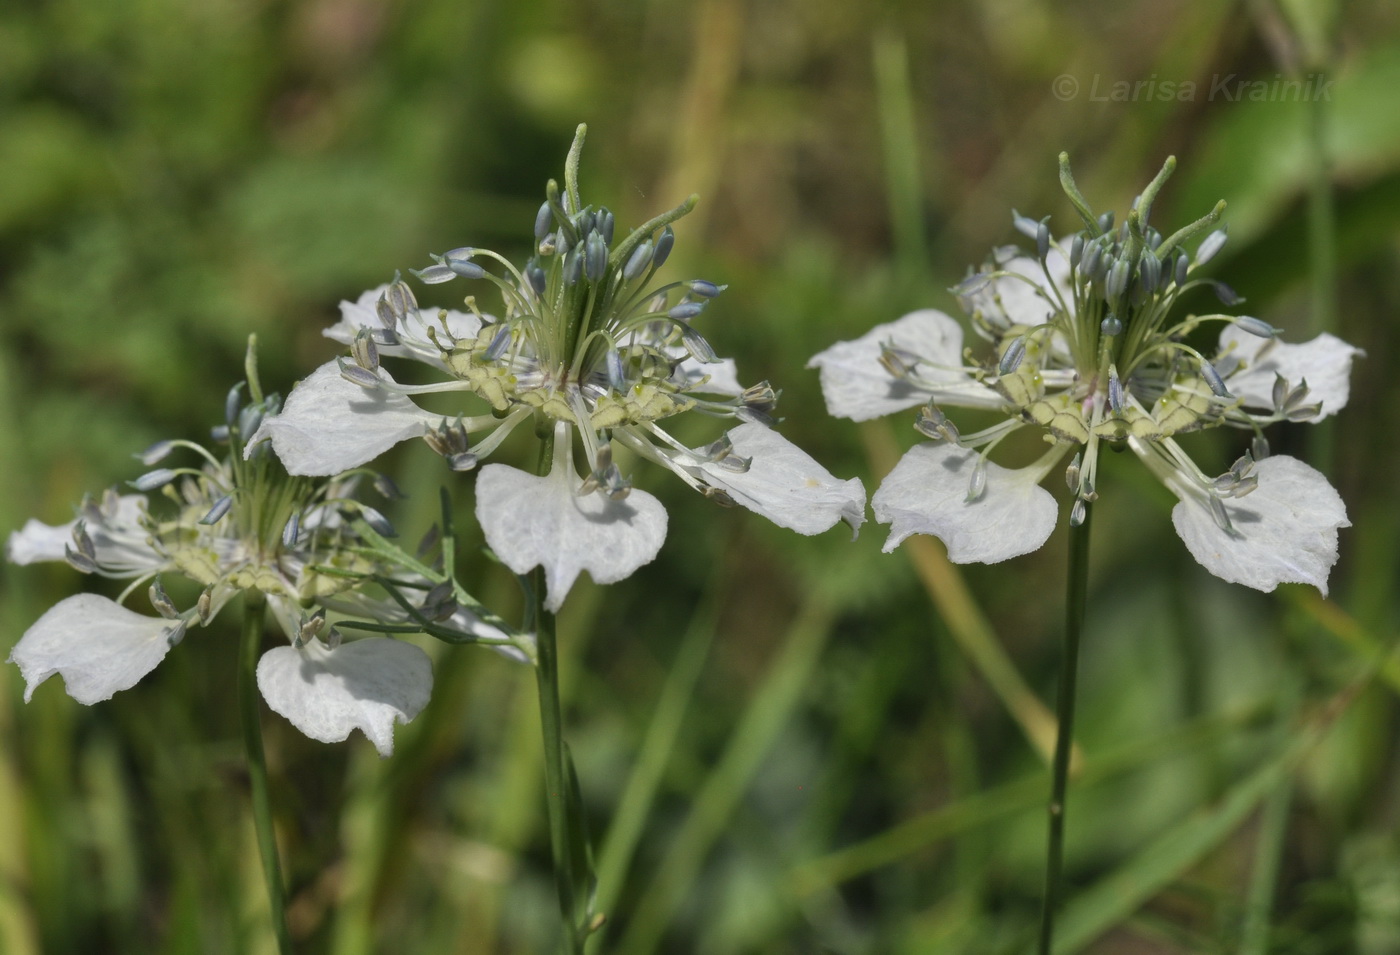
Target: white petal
(120,542)
(1285,531)
(723,377)
(97,645)
(926,493)
(329,425)
(785,485)
(368,685)
(1325,362)
(413,331)
(532,521)
(1027,300)
(858,387)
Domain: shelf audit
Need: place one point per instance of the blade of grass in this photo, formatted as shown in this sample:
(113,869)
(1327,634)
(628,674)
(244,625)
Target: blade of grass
(768,712)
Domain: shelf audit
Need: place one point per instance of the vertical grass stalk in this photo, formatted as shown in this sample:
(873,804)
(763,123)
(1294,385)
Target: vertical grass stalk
(1076,600)
(254,612)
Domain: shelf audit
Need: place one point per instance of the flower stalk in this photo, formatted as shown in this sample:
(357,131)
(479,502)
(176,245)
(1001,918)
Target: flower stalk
(254,612)
(1076,602)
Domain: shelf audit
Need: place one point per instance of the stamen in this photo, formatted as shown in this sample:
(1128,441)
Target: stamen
(217,512)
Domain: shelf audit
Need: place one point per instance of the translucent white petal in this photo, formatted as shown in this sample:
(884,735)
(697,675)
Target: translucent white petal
(532,521)
(119,541)
(926,493)
(1023,297)
(858,387)
(785,485)
(97,645)
(1325,362)
(723,377)
(1285,531)
(413,331)
(329,425)
(368,685)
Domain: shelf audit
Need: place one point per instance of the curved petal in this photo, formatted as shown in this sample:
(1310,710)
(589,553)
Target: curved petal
(329,425)
(784,484)
(413,331)
(1023,297)
(97,645)
(1285,531)
(858,387)
(368,685)
(120,543)
(1325,362)
(926,493)
(532,521)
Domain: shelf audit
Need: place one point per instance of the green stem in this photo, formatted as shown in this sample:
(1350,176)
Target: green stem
(1076,599)
(254,611)
(552,729)
(555,772)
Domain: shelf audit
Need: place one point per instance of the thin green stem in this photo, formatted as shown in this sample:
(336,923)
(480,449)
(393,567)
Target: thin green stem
(254,612)
(1076,600)
(556,771)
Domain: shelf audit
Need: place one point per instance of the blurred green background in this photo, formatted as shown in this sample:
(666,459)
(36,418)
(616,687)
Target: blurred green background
(784,744)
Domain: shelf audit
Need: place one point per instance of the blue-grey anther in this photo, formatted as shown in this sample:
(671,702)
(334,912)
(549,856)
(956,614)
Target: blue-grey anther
(1256,326)
(1072,473)
(932,423)
(595,257)
(1118,277)
(899,362)
(434,274)
(1011,359)
(1076,250)
(156,452)
(1077,513)
(1106,222)
(607,225)
(1210,245)
(1225,293)
(1213,379)
(686,310)
(1111,325)
(83,541)
(977,484)
(1042,239)
(175,634)
(1149,271)
(638,261)
(699,349)
(385,313)
(291,530)
(1026,226)
(536,276)
(1183,266)
(573,265)
(1115,393)
(466,461)
(1092,257)
(217,512)
(466,268)
(544,218)
(1280,391)
(153,479)
(664,244)
(354,373)
(1259,447)
(973,284)
(387,489)
(401,298)
(703,289)
(232,402)
(364,350)
(78,561)
(161,601)
(617,378)
(499,343)
(378,522)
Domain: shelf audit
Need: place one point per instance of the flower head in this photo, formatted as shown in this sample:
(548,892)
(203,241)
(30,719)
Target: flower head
(592,352)
(232,525)
(1088,346)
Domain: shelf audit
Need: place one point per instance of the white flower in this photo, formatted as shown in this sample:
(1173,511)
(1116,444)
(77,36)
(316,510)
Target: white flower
(240,526)
(1085,346)
(585,349)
